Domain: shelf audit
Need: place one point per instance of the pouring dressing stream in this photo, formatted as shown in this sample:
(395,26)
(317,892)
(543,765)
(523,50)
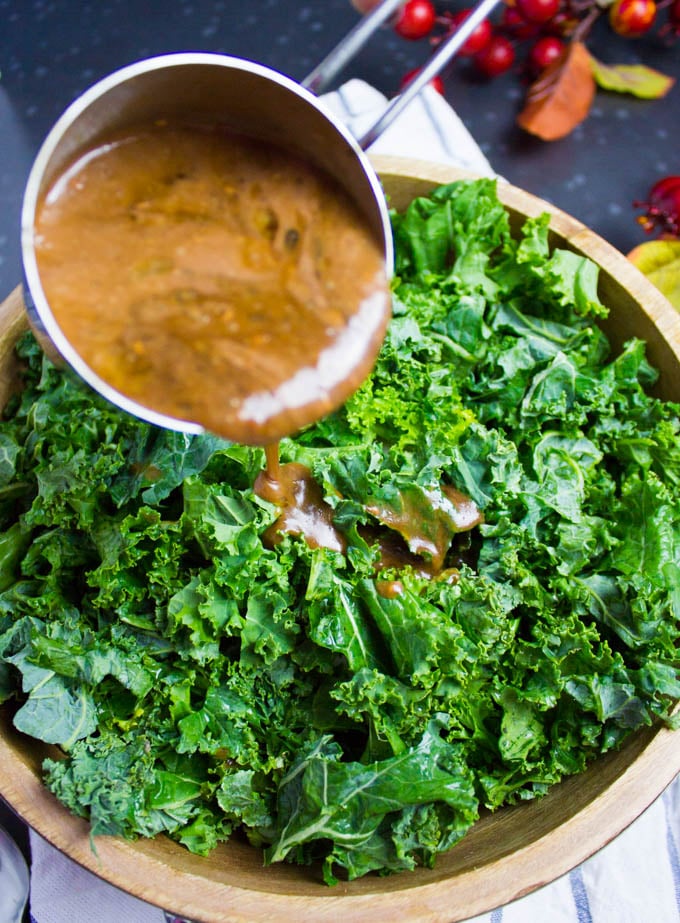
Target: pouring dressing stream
(220,261)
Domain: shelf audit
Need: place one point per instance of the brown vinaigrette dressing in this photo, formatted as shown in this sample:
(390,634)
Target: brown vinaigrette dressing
(414,533)
(304,511)
(224,281)
(213,278)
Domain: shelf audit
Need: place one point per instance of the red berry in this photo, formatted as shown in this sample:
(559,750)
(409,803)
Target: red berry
(415,19)
(497,58)
(516,25)
(479,38)
(538,11)
(561,25)
(662,208)
(543,53)
(436,82)
(632,18)
(674,16)
(671,27)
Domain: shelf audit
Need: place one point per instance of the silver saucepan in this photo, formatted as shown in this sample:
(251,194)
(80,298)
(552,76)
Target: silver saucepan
(239,94)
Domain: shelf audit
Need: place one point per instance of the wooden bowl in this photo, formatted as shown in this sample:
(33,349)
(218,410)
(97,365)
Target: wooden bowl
(506,854)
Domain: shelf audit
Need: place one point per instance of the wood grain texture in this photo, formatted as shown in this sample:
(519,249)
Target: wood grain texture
(506,854)
(13,322)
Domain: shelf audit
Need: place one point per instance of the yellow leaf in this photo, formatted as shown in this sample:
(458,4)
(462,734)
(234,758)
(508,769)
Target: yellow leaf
(659,260)
(643,82)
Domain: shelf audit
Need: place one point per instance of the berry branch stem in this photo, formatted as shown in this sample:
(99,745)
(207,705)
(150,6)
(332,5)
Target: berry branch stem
(582,30)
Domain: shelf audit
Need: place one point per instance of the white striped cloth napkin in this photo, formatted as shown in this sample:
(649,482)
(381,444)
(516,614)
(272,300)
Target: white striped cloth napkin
(634,879)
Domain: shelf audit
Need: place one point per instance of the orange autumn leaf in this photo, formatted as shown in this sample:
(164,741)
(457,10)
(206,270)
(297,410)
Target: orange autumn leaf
(561,97)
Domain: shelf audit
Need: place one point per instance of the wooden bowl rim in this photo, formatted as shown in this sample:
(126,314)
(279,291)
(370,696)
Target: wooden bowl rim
(166,875)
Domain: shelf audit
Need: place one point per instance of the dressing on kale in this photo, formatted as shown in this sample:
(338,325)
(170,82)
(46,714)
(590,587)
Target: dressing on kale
(201,683)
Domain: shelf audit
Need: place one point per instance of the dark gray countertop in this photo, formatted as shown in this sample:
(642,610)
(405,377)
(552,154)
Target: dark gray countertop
(52,50)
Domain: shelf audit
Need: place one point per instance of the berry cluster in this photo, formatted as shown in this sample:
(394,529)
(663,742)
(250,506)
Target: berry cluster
(542,27)
(662,208)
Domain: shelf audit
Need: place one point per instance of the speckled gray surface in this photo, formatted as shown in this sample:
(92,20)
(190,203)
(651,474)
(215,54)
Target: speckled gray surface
(51,51)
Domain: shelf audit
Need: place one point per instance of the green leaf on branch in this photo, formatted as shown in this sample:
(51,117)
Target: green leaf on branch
(637,79)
